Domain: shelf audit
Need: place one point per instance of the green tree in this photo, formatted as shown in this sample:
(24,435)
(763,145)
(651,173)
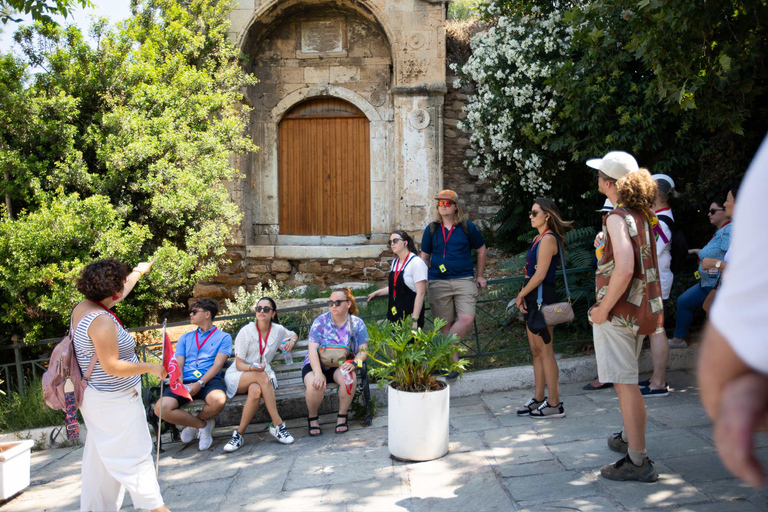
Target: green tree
(40,10)
(119,148)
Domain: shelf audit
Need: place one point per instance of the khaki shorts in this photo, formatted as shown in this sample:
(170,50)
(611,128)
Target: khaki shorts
(451,297)
(617,350)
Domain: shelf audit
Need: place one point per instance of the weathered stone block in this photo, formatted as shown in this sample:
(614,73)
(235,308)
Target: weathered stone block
(282,277)
(212,291)
(281,266)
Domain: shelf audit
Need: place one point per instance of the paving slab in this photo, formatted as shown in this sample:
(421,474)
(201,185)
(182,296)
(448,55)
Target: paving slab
(473,423)
(565,485)
(583,504)
(670,490)
(510,447)
(332,468)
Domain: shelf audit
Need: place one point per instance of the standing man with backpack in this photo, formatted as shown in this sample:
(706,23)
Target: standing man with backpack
(447,251)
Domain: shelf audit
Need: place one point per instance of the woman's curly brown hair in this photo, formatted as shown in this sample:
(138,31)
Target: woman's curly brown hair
(637,190)
(101,279)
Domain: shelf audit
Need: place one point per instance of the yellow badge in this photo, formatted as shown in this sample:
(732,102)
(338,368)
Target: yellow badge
(197,374)
(697,275)
(443,269)
(394,310)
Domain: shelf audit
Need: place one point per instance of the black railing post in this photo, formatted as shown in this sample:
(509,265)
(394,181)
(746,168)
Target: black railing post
(17,359)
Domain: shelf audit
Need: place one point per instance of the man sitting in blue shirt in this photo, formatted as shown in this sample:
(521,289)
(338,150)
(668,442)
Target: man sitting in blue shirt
(201,355)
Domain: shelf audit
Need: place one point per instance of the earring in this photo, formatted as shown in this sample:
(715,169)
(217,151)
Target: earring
(115,296)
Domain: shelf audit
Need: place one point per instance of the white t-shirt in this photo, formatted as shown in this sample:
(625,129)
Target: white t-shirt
(741,303)
(664,252)
(414,272)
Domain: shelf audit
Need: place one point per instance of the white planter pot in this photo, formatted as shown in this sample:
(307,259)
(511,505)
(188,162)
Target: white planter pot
(418,424)
(14,467)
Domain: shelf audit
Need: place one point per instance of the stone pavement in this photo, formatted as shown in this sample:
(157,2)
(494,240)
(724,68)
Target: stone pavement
(497,461)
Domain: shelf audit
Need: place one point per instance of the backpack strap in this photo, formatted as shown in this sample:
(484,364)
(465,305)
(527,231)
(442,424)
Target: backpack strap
(94,359)
(433,226)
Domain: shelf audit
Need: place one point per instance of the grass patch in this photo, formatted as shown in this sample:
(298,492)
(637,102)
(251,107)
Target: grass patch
(25,410)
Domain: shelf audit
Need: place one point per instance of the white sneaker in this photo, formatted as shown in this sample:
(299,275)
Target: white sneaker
(188,434)
(206,435)
(676,344)
(281,433)
(236,442)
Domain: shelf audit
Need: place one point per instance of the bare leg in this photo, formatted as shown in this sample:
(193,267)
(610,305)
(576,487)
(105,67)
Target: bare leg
(551,373)
(161,509)
(268,394)
(538,367)
(214,403)
(314,397)
(345,399)
(460,328)
(632,414)
(251,402)
(172,414)
(660,356)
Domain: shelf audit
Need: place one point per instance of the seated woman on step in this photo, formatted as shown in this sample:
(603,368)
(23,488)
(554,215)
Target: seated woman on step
(255,347)
(335,329)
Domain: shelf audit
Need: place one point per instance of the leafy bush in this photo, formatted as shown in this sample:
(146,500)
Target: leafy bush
(25,410)
(244,301)
(406,359)
(120,148)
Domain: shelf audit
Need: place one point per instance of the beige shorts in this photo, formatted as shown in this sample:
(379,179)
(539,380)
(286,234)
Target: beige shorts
(451,297)
(617,350)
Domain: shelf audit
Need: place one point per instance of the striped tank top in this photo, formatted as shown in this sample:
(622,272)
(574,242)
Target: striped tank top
(84,350)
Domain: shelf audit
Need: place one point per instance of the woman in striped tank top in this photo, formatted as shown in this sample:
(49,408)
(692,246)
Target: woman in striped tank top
(118,448)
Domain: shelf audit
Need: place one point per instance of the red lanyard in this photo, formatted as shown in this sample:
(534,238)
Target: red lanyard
(397,273)
(445,239)
(266,339)
(111,313)
(715,233)
(197,342)
(663,209)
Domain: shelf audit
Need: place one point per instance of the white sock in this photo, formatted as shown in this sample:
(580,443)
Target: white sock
(637,456)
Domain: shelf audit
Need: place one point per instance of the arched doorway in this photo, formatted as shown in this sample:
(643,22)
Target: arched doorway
(324,169)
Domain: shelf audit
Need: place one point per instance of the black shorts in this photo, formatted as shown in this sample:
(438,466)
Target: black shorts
(548,296)
(214,384)
(328,372)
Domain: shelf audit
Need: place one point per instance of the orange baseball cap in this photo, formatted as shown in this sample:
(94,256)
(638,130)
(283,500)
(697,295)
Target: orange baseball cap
(450,195)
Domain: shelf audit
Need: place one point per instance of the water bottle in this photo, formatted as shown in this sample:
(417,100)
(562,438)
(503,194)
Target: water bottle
(348,379)
(288,358)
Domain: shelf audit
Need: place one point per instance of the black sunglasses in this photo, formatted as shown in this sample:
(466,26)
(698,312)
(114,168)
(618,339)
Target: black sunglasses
(713,210)
(266,309)
(533,213)
(337,303)
(196,311)
(394,241)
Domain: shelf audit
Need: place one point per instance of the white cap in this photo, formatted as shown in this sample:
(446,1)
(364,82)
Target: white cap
(607,207)
(616,164)
(667,179)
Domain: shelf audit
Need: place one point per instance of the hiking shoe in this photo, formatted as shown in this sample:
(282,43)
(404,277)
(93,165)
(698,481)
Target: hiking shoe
(188,434)
(647,392)
(206,435)
(624,470)
(617,444)
(548,411)
(235,442)
(530,405)
(281,433)
(673,343)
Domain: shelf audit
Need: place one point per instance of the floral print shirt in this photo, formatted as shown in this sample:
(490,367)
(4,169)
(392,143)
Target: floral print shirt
(325,332)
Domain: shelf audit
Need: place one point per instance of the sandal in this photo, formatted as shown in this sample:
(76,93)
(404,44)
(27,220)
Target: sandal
(311,428)
(604,385)
(346,427)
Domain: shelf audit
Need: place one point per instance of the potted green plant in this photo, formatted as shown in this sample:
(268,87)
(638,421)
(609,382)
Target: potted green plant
(407,361)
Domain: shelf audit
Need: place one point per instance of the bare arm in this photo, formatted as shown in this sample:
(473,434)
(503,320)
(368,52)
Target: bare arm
(314,358)
(103,332)
(426,257)
(133,278)
(379,293)
(243,366)
(218,364)
(718,365)
(481,254)
(418,302)
(547,249)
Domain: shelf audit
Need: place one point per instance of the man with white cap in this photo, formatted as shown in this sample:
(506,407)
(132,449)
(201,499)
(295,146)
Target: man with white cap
(628,303)
(656,386)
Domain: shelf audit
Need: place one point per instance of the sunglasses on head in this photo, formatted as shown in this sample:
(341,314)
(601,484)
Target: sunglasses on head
(336,303)
(394,241)
(445,203)
(265,309)
(713,210)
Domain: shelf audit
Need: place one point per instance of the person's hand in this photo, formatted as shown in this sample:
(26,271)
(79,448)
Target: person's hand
(520,303)
(159,370)
(144,266)
(481,282)
(348,367)
(743,410)
(708,263)
(415,325)
(598,239)
(598,315)
(194,388)
(694,251)
(372,295)
(258,367)
(318,381)
(289,345)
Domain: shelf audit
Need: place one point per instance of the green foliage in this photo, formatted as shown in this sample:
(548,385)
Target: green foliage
(39,9)
(406,359)
(681,85)
(244,302)
(25,410)
(119,148)
(463,9)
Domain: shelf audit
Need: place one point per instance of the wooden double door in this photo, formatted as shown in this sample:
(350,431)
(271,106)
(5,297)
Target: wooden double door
(324,169)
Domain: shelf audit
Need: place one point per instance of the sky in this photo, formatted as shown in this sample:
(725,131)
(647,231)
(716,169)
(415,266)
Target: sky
(115,10)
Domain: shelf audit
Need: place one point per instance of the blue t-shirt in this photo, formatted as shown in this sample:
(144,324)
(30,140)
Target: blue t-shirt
(457,256)
(716,248)
(220,342)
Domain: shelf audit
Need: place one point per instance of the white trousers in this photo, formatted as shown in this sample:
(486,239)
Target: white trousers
(118,452)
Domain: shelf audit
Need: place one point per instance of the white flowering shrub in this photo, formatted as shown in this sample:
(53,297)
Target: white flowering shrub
(514,112)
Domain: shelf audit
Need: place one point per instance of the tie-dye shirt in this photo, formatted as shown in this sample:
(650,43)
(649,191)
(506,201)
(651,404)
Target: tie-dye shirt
(325,332)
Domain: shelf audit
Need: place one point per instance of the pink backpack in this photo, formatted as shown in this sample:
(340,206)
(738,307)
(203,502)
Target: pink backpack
(62,366)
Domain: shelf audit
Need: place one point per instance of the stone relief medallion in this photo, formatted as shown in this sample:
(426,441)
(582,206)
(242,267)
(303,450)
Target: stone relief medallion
(417,40)
(378,98)
(420,119)
(270,100)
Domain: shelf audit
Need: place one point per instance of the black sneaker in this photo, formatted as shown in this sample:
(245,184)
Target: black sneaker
(548,411)
(446,375)
(530,405)
(647,392)
(617,444)
(624,470)
(644,383)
